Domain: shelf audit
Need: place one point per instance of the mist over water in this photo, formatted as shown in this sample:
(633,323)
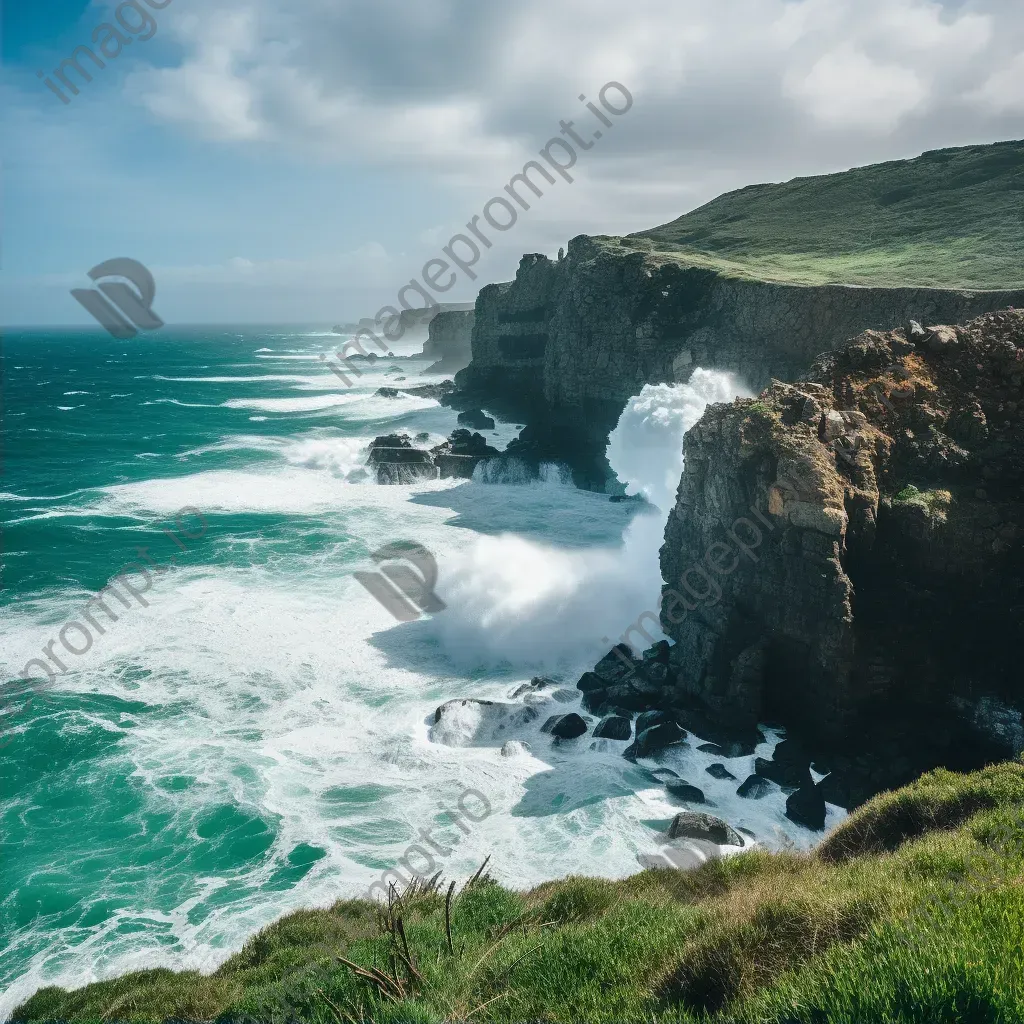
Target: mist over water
(261,736)
(513,601)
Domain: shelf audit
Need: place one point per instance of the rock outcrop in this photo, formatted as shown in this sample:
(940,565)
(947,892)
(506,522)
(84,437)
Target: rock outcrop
(449,341)
(846,557)
(567,343)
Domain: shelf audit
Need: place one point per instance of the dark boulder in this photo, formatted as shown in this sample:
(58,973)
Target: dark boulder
(719,771)
(477,419)
(535,685)
(387,393)
(659,652)
(682,790)
(733,742)
(595,701)
(565,727)
(613,728)
(698,825)
(754,788)
(591,681)
(617,664)
(459,456)
(807,807)
(649,719)
(792,776)
(633,698)
(656,672)
(656,738)
(395,461)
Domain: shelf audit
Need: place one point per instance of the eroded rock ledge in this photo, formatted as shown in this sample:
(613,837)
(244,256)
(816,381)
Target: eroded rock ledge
(565,345)
(880,500)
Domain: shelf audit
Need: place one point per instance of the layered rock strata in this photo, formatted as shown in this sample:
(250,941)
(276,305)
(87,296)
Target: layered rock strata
(847,551)
(567,343)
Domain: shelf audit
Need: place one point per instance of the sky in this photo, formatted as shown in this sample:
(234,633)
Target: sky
(298,161)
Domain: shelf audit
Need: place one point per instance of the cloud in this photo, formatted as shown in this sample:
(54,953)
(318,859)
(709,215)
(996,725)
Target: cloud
(457,88)
(847,89)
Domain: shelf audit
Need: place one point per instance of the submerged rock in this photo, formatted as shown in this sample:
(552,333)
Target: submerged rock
(682,790)
(790,775)
(754,787)
(719,771)
(515,748)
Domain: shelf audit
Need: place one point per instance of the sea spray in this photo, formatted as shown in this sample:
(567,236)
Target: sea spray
(515,602)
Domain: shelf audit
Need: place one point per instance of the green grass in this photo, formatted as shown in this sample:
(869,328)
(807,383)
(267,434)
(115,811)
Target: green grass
(911,911)
(949,218)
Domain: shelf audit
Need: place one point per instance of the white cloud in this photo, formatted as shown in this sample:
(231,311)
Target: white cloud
(460,88)
(847,89)
(1003,91)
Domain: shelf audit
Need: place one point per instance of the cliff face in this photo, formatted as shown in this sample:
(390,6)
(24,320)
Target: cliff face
(571,341)
(852,544)
(449,341)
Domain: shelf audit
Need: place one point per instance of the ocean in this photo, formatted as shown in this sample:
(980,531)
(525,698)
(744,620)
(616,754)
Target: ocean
(255,732)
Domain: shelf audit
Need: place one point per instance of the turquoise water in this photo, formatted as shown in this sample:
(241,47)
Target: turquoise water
(259,735)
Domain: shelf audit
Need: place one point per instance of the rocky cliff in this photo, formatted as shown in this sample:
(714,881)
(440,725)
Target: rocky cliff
(847,550)
(450,341)
(568,342)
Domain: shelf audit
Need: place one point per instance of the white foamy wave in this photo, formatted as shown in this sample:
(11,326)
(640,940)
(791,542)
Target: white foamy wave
(646,448)
(290,405)
(340,455)
(514,601)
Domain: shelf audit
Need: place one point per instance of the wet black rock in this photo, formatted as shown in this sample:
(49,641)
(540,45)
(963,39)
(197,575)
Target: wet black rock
(649,719)
(654,739)
(591,681)
(477,419)
(396,461)
(713,748)
(732,741)
(388,393)
(596,701)
(459,456)
(807,807)
(613,728)
(659,652)
(754,788)
(698,825)
(719,771)
(682,790)
(565,727)
(791,775)
(536,684)
(617,664)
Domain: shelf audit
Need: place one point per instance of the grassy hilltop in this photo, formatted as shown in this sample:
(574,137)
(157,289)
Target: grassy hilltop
(911,911)
(950,218)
